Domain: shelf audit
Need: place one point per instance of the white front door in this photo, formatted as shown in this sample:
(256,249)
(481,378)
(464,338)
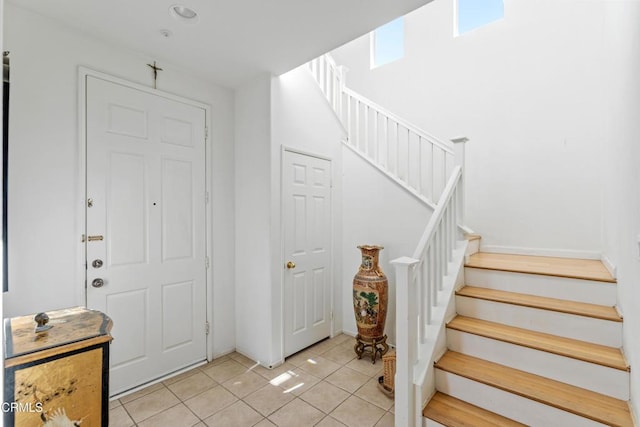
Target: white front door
(145,226)
(306,201)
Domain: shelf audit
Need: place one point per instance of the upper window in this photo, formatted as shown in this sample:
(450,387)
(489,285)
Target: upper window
(387,43)
(472,14)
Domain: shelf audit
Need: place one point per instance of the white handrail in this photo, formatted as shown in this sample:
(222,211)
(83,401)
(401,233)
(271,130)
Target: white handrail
(415,129)
(418,161)
(418,280)
(330,78)
(437,215)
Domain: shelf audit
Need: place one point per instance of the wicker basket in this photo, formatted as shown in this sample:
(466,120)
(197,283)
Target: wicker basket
(386,381)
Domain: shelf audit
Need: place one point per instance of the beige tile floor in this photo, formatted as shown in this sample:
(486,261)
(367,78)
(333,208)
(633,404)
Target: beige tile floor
(325,386)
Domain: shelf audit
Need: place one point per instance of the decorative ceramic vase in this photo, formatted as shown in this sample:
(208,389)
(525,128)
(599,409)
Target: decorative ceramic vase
(370,296)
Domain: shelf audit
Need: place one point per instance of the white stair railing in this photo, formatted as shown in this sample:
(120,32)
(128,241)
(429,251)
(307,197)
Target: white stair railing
(431,170)
(419,162)
(419,278)
(413,158)
(330,78)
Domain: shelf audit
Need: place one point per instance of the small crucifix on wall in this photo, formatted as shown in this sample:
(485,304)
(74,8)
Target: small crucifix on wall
(155,69)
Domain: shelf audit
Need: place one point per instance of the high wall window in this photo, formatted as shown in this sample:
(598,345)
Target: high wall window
(387,43)
(472,14)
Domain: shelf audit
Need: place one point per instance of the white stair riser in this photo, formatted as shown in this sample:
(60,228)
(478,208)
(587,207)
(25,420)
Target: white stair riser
(583,328)
(598,378)
(430,423)
(473,247)
(588,291)
(509,405)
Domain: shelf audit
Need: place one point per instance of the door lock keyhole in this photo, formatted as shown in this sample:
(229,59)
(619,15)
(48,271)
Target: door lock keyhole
(97,263)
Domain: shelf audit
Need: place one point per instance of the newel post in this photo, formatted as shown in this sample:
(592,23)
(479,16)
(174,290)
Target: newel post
(459,144)
(406,340)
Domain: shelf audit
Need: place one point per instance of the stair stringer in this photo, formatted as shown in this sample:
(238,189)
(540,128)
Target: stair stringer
(390,176)
(424,379)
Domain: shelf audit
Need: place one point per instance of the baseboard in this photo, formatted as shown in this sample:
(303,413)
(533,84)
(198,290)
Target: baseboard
(560,253)
(634,415)
(609,266)
(265,364)
(222,353)
(351,334)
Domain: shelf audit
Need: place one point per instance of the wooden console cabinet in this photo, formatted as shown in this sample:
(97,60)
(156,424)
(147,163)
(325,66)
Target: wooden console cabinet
(59,376)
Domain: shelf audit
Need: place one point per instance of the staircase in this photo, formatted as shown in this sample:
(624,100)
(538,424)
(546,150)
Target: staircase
(432,171)
(537,341)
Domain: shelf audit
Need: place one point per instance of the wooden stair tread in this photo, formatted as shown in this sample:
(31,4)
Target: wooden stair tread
(575,349)
(544,303)
(585,403)
(587,269)
(452,412)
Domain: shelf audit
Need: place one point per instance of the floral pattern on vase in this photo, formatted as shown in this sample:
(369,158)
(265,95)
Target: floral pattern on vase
(370,295)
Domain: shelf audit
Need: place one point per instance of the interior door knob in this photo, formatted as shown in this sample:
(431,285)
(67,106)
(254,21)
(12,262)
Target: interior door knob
(291,265)
(97,283)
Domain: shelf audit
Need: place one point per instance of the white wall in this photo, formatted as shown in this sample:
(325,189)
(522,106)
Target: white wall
(621,158)
(45,252)
(527,92)
(254,287)
(376,211)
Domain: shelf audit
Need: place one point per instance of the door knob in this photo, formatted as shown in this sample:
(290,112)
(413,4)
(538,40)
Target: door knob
(97,283)
(291,265)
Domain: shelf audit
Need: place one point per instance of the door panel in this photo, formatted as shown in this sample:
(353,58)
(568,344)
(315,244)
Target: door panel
(146,180)
(306,197)
(127,121)
(299,302)
(319,309)
(177,299)
(176,131)
(177,209)
(131,343)
(126,220)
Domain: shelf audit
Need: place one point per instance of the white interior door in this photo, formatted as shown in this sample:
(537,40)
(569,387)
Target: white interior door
(145,221)
(306,196)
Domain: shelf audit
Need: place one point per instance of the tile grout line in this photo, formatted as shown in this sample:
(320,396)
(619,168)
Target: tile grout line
(311,353)
(128,414)
(182,402)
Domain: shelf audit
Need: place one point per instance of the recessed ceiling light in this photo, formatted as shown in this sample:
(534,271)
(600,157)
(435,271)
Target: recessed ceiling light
(183,13)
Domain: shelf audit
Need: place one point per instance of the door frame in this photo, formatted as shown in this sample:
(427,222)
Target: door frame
(332,243)
(81,289)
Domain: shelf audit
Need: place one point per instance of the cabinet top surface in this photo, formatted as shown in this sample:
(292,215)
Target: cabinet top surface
(67,326)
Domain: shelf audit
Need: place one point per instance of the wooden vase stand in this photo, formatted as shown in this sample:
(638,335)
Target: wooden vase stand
(376,345)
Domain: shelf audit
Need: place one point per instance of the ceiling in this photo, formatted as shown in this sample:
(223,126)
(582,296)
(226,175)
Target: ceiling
(233,40)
